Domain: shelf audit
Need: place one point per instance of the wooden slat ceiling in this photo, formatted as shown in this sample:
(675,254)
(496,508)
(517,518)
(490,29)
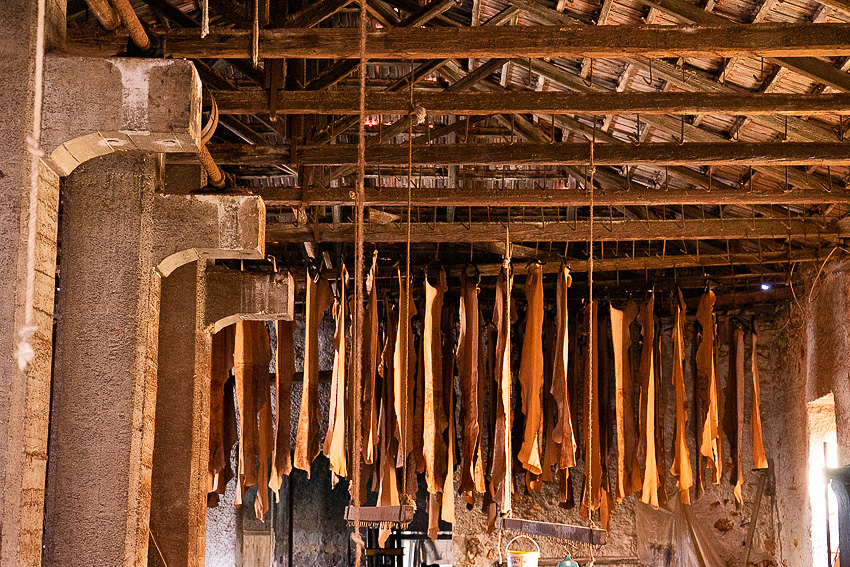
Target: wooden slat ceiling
(722,157)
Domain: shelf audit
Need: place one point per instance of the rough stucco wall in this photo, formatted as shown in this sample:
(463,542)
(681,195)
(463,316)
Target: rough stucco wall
(716,510)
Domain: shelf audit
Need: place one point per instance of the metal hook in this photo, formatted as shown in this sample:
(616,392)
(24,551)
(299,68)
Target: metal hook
(637,141)
(649,82)
(589,80)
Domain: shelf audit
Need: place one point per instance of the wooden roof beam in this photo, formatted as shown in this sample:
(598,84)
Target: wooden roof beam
(767,39)
(521,153)
(527,102)
(578,231)
(474,196)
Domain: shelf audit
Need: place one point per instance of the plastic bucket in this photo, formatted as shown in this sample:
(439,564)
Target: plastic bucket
(522,558)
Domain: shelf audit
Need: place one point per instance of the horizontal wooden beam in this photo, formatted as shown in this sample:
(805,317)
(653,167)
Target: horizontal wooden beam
(488,103)
(462,197)
(689,154)
(765,39)
(655,262)
(579,231)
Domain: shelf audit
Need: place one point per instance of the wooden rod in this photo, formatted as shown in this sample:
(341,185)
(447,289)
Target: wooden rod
(523,102)
(579,231)
(688,154)
(462,197)
(765,39)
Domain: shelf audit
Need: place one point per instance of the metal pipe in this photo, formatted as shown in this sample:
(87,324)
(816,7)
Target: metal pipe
(104,14)
(216,177)
(132,23)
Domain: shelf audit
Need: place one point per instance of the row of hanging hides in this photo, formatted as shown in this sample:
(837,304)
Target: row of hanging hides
(589,392)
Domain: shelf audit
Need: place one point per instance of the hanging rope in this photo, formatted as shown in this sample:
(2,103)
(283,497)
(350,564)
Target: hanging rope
(255,35)
(205,18)
(24,352)
(591,172)
(406,341)
(356,333)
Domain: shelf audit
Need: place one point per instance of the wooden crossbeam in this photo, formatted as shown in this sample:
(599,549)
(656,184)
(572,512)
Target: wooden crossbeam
(486,103)
(473,196)
(579,231)
(525,153)
(766,39)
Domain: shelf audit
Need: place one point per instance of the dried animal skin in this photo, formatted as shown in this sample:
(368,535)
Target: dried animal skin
(435,424)
(221,363)
(285,365)
(648,385)
(681,458)
(468,367)
(319,299)
(759,458)
(710,443)
(738,374)
(563,433)
(531,372)
(592,496)
(334,448)
(502,456)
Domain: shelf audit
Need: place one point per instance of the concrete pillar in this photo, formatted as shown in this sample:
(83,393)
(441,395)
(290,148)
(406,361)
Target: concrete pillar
(105,371)
(196,301)
(118,240)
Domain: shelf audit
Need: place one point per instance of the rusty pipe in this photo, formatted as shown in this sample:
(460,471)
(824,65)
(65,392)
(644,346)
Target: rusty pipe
(214,174)
(104,14)
(132,23)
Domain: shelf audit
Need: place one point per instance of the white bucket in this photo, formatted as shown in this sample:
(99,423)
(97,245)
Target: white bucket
(522,558)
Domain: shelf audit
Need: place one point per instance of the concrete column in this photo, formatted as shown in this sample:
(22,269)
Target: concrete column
(118,240)
(105,372)
(195,301)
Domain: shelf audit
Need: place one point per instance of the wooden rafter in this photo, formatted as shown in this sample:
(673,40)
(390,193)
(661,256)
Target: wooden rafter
(578,231)
(482,103)
(523,153)
(768,39)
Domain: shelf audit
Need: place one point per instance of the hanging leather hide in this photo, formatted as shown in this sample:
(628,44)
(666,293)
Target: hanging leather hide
(334,448)
(318,300)
(563,433)
(759,458)
(247,335)
(660,411)
(646,318)
(434,424)
(285,366)
(681,456)
(221,363)
(447,510)
(531,372)
(710,443)
(628,469)
(404,365)
(502,456)
(467,356)
(388,491)
(265,434)
(592,494)
(369,403)
(736,380)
